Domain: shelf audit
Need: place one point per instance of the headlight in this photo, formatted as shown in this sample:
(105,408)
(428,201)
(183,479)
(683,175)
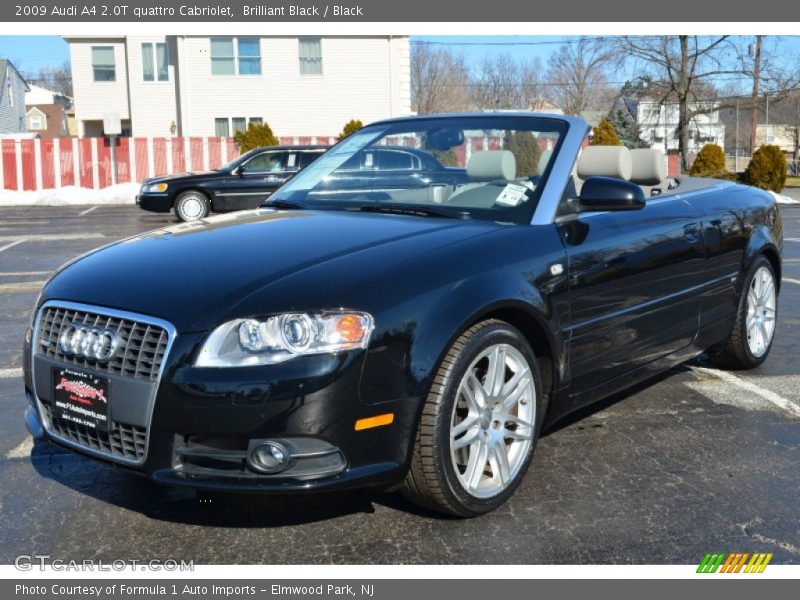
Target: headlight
(250,342)
(157,187)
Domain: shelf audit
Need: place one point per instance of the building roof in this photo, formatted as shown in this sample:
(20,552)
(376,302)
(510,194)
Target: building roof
(4,66)
(593,117)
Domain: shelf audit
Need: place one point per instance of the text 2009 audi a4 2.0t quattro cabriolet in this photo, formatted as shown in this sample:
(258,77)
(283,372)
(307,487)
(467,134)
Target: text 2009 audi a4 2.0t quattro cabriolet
(414,336)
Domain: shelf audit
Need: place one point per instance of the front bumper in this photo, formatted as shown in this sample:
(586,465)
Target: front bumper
(203,421)
(154,202)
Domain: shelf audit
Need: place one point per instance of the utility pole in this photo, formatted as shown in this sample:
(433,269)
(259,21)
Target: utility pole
(755,54)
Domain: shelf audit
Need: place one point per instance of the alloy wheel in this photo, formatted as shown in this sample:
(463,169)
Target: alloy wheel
(492,424)
(760,322)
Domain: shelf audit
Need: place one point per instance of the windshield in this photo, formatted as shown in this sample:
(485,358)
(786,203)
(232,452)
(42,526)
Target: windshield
(488,167)
(230,166)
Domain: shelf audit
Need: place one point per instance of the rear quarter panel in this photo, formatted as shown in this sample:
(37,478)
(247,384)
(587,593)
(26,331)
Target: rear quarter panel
(738,223)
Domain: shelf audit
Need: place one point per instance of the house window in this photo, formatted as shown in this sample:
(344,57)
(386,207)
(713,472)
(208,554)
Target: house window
(221,128)
(36,123)
(249,56)
(310,56)
(222,124)
(103,64)
(154,62)
(239,124)
(230,56)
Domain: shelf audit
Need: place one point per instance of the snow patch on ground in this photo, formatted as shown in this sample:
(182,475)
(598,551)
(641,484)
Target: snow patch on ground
(781,199)
(122,193)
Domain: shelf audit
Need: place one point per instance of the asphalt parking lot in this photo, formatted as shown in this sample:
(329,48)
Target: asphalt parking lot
(693,462)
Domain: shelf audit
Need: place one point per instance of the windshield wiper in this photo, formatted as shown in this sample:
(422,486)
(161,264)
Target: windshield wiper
(285,204)
(414,209)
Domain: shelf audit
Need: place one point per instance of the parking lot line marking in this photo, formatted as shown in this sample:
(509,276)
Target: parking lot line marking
(10,373)
(791,239)
(23,273)
(50,237)
(87,211)
(21,287)
(23,450)
(769,396)
(12,244)
(790,280)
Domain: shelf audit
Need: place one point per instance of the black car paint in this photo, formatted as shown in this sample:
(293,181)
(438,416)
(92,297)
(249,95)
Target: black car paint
(640,292)
(231,187)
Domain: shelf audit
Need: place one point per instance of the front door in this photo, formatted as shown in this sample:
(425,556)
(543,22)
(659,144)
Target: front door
(635,282)
(254,181)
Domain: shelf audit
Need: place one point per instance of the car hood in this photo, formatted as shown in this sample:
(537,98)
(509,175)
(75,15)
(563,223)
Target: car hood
(198,274)
(193,175)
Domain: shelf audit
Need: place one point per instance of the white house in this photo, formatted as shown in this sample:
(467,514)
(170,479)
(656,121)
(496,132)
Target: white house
(658,123)
(206,86)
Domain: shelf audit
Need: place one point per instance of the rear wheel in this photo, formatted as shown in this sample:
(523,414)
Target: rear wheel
(750,341)
(192,206)
(479,425)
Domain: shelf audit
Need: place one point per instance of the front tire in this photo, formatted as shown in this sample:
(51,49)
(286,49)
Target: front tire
(479,425)
(192,206)
(751,338)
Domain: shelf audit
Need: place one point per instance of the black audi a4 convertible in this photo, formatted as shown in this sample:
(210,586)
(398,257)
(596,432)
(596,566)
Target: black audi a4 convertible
(414,336)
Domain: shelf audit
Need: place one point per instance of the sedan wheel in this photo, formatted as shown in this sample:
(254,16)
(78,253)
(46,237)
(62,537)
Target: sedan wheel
(191,206)
(479,424)
(753,332)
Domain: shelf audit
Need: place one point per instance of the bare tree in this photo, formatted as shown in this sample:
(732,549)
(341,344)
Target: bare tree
(764,61)
(439,80)
(682,66)
(532,88)
(577,74)
(497,84)
(55,78)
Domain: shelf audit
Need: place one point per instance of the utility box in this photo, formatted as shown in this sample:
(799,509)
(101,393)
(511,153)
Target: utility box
(112,123)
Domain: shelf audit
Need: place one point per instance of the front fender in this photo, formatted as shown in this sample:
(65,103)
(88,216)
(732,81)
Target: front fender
(500,275)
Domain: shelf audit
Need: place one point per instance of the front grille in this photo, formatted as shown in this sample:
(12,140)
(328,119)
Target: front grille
(122,441)
(141,345)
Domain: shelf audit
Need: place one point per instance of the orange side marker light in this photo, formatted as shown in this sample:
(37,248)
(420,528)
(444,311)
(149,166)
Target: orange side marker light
(376,421)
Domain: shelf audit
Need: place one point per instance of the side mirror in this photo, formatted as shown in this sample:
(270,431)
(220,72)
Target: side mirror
(608,193)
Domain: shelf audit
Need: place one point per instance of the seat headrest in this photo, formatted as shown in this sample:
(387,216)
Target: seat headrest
(648,166)
(488,165)
(605,161)
(544,158)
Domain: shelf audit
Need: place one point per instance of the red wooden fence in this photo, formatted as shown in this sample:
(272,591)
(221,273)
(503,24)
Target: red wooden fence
(39,164)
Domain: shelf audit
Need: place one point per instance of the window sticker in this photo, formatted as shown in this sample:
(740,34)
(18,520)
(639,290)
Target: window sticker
(512,195)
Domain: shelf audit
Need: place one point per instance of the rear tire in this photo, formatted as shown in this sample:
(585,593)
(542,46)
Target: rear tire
(192,206)
(751,338)
(479,424)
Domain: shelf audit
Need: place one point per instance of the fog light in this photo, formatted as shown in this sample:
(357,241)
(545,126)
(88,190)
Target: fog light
(268,457)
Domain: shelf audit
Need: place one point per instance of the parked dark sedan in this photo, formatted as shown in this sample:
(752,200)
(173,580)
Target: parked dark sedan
(243,183)
(383,335)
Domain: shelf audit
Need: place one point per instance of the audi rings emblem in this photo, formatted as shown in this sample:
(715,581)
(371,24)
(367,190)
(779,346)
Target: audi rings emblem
(89,342)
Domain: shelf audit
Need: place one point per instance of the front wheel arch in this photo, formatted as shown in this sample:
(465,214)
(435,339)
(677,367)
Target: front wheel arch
(761,243)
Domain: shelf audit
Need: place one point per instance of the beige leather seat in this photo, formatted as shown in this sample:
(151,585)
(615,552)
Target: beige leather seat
(649,170)
(491,165)
(602,161)
(605,161)
(485,169)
